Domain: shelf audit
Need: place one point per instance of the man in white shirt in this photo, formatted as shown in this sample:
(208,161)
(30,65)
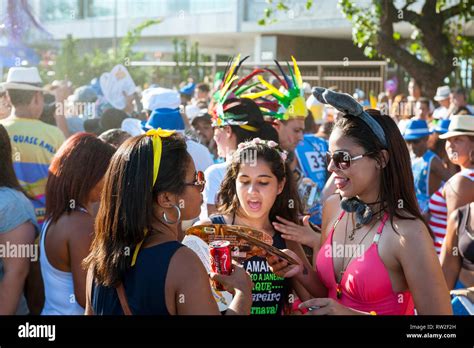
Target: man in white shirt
(442,97)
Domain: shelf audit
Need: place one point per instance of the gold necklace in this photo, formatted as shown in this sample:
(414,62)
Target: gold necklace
(344,266)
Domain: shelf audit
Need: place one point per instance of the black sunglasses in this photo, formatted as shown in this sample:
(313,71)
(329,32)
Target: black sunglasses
(343,159)
(199,181)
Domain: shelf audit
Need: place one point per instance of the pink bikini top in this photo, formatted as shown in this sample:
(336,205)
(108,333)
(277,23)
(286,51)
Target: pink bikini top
(365,285)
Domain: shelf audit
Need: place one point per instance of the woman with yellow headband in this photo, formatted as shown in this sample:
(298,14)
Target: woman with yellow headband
(136,264)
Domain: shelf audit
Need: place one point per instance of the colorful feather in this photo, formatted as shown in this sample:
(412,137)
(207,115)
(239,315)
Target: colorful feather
(232,68)
(256,95)
(297,72)
(292,75)
(285,76)
(275,92)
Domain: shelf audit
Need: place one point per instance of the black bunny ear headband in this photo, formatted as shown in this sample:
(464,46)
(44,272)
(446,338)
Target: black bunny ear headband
(348,105)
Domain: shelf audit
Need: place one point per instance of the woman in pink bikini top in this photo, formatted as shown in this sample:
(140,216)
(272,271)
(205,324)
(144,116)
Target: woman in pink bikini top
(377,255)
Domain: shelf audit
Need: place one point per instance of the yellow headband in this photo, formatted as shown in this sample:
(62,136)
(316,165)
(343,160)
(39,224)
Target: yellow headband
(249,128)
(156,135)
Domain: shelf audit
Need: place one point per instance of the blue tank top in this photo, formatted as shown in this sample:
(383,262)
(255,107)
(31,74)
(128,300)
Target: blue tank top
(311,154)
(269,291)
(144,284)
(421,173)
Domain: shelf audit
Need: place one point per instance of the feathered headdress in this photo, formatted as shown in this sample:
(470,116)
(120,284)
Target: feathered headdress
(231,87)
(291,102)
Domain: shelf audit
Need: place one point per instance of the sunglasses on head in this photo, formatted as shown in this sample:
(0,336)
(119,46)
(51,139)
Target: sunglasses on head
(199,181)
(343,159)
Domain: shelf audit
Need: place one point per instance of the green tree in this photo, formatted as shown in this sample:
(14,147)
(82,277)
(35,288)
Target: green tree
(187,60)
(80,71)
(69,61)
(433,51)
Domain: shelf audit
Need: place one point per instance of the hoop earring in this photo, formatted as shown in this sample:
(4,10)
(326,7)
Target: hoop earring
(168,221)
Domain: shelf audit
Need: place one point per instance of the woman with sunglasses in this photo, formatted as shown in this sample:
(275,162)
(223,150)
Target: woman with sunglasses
(377,255)
(136,264)
(258,187)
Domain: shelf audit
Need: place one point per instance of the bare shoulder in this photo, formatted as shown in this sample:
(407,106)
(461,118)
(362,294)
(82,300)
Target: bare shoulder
(76,225)
(185,261)
(77,219)
(458,183)
(409,229)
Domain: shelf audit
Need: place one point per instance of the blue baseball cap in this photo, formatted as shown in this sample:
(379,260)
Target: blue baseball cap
(416,129)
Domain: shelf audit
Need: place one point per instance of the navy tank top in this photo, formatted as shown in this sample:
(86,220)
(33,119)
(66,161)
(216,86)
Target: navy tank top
(270,292)
(144,284)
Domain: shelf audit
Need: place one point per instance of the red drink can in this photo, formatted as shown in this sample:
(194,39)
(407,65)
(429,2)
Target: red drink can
(221,260)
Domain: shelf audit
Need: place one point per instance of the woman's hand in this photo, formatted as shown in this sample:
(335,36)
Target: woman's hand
(326,306)
(239,280)
(282,268)
(300,234)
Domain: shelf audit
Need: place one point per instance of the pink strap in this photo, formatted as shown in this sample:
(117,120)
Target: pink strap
(381,226)
(382,223)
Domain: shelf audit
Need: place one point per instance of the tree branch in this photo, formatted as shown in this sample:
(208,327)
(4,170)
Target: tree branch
(387,46)
(409,15)
(455,11)
(429,8)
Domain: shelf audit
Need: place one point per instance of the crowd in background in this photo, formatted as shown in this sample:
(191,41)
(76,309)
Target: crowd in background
(81,178)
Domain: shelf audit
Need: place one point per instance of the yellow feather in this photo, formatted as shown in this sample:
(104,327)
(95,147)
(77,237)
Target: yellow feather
(297,72)
(257,94)
(270,87)
(231,71)
(228,84)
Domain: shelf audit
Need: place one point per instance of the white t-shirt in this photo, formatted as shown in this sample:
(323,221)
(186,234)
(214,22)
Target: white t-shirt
(201,156)
(441,113)
(214,176)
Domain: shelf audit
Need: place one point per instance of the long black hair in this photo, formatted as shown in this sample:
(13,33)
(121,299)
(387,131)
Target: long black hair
(397,187)
(128,201)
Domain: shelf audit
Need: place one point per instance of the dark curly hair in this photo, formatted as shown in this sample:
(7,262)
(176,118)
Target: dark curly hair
(287,203)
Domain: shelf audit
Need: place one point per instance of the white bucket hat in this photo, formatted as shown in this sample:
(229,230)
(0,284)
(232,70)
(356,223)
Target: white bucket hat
(442,93)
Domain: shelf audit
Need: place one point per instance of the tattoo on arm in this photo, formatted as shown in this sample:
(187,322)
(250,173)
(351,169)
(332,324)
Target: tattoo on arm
(305,271)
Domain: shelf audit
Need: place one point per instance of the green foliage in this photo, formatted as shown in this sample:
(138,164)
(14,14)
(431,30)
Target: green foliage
(366,24)
(276,6)
(80,71)
(187,60)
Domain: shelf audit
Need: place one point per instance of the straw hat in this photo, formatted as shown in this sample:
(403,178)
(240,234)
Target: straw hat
(27,79)
(460,125)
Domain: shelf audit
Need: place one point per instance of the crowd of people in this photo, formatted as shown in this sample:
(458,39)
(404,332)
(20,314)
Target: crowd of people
(373,198)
